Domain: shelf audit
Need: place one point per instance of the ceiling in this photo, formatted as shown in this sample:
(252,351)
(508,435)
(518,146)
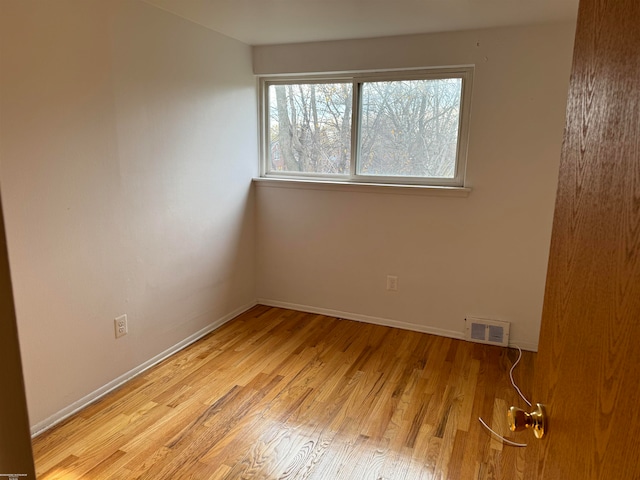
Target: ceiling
(262,22)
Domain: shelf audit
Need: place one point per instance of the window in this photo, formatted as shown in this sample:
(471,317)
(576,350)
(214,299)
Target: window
(406,127)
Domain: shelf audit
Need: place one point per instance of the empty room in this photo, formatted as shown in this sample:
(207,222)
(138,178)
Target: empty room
(304,239)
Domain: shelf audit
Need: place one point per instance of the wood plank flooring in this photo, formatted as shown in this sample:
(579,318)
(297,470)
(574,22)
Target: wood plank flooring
(280,394)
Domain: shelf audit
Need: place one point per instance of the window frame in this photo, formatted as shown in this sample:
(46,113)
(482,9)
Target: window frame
(465,73)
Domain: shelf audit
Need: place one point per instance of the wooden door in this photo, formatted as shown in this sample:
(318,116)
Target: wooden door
(588,366)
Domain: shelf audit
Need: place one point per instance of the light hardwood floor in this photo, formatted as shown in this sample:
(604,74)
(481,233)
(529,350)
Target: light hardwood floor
(280,394)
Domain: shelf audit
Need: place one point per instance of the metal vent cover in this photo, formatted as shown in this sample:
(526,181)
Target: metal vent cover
(483,330)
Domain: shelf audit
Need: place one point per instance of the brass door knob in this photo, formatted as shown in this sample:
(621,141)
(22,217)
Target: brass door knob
(521,420)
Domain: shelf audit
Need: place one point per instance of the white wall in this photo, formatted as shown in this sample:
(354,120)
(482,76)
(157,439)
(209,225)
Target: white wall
(128,144)
(484,255)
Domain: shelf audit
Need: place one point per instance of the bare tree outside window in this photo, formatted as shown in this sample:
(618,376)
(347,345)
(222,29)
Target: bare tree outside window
(405,130)
(410,128)
(310,127)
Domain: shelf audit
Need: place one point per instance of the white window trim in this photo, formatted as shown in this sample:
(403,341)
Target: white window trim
(464,72)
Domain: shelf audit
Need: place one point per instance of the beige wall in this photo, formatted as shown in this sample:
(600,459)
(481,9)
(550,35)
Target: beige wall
(128,145)
(484,255)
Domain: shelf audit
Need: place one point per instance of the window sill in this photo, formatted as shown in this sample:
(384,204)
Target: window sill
(395,189)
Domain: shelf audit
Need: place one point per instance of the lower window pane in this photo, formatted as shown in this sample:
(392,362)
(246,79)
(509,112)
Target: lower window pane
(410,128)
(310,128)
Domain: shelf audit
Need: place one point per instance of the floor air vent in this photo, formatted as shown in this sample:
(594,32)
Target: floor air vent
(482,330)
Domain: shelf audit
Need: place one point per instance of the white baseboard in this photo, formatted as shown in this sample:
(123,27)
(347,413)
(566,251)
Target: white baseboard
(380,321)
(386,322)
(75,407)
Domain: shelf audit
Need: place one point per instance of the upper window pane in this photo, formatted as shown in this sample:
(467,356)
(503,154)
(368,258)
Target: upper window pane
(410,128)
(309,128)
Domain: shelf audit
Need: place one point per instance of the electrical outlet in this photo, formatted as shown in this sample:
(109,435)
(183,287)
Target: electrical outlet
(392,283)
(122,328)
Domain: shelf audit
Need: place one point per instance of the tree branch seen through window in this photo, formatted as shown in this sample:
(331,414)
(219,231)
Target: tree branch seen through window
(403,129)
